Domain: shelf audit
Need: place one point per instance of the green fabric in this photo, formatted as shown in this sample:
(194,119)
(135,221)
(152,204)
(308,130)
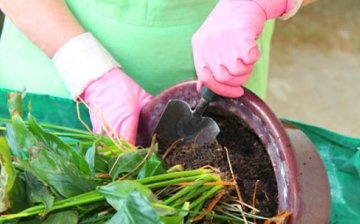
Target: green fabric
(341,157)
(151,39)
(50,110)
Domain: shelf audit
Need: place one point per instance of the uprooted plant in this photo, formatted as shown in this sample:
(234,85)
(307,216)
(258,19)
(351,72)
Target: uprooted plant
(55,174)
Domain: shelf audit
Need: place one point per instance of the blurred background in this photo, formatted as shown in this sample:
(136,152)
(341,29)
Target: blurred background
(1,21)
(315,66)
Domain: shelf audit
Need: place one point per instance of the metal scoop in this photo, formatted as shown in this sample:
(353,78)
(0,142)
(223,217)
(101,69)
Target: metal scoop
(179,123)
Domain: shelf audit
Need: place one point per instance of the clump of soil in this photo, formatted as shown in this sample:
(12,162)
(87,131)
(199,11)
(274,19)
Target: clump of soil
(249,159)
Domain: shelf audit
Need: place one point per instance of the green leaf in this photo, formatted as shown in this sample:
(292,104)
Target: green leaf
(178,218)
(96,218)
(152,166)
(54,143)
(125,163)
(60,174)
(90,158)
(133,208)
(15,103)
(132,200)
(101,163)
(19,138)
(120,189)
(68,217)
(12,190)
(33,220)
(7,175)
(38,192)
(17,196)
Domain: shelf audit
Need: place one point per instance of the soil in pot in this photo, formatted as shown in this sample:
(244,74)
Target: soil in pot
(250,162)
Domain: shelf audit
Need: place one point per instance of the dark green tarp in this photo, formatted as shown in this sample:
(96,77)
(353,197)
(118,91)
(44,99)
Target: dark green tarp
(49,109)
(341,157)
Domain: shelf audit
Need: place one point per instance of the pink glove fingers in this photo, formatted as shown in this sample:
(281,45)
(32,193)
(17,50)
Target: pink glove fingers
(218,87)
(275,8)
(226,44)
(237,68)
(228,69)
(235,64)
(228,78)
(247,50)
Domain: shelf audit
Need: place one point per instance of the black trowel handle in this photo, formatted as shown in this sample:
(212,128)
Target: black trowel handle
(207,95)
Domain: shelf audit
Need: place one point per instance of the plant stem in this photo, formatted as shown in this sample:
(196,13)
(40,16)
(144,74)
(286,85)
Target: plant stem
(94,196)
(174,175)
(90,197)
(174,181)
(206,195)
(195,193)
(54,127)
(198,183)
(67,129)
(74,135)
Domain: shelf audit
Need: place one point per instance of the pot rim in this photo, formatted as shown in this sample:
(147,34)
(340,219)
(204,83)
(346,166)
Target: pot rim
(265,124)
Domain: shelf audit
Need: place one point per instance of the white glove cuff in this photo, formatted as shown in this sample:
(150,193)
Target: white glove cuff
(82,60)
(293,10)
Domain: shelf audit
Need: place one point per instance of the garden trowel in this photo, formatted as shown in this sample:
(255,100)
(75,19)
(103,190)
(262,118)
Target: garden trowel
(179,122)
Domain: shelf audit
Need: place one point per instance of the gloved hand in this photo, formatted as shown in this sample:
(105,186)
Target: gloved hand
(91,73)
(225,48)
(115,100)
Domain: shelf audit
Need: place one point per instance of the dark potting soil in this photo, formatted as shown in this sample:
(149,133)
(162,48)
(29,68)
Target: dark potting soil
(249,159)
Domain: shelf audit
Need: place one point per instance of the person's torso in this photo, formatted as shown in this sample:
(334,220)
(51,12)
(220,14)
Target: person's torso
(151,39)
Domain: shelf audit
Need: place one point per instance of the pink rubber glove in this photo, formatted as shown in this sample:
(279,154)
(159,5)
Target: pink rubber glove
(118,100)
(91,73)
(225,48)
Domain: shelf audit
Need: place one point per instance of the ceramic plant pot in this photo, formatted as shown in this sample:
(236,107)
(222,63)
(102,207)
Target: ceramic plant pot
(302,181)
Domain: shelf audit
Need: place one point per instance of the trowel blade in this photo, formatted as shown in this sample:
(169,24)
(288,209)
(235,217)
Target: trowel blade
(178,123)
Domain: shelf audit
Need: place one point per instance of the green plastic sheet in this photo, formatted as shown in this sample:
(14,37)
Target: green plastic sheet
(341,157)
(49,109)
